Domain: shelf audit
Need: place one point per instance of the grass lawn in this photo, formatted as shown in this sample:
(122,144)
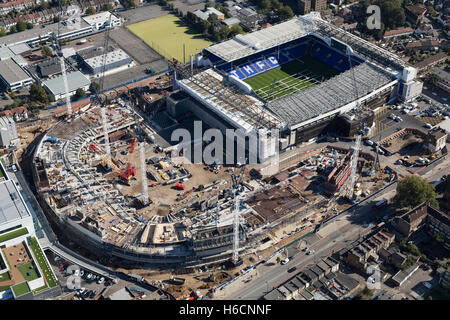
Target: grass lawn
(167,34)
(45,267)
(290,77)
(5,276)
(28,271)
(12,235)
(20,289)
(4,288)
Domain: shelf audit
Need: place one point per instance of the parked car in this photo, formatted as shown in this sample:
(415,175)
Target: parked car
(283,262)
(292,269)
(100,280)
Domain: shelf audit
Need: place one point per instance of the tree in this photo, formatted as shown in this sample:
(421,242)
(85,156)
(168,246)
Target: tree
(285,13)
(29,25)
(90,10)
(107,7)
(37,93)
(80,93)
(46,51)
(433,78)
(21,26)
(2,32)
(413,191)
(94,87)
(13,29)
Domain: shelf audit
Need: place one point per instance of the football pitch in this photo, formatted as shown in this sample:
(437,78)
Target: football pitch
(170,37)
(290,77)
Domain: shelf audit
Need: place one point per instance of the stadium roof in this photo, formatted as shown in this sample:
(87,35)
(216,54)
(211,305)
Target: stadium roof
(75,80)
(12,72)
(244,110)
(329,95)
(11,205)
(250,43)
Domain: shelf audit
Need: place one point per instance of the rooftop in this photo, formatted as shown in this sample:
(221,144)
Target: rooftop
(99,18)
(12,206)
(111,57)
(12,72)
(329,95)
(75,80)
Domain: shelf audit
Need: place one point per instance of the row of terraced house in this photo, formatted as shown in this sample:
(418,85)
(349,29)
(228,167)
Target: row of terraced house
(36,16)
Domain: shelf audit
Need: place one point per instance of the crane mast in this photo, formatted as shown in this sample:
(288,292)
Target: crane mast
(143,173)
(63,65)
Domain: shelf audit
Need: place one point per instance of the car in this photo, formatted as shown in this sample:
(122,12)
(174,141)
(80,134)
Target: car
(89,276)
(369,142)
(292,269)
(92,294)
(81,273)
(76,273)
(310,252)
(428,126)
(100,280)
(283,262)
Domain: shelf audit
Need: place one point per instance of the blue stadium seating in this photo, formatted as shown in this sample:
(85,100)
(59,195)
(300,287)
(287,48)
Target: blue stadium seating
(287,52)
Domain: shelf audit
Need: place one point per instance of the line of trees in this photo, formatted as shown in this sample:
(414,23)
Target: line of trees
(282,12)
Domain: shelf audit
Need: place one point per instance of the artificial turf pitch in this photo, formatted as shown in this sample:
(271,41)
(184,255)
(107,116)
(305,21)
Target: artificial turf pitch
(170,37)
(290,77)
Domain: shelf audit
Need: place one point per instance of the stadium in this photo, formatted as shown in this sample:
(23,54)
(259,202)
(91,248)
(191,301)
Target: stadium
(297,76)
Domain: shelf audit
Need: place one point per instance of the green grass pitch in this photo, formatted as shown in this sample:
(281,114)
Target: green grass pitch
(167,35)
(290,77)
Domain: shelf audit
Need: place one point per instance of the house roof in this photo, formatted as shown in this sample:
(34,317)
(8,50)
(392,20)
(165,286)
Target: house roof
(398,31)
(417,10)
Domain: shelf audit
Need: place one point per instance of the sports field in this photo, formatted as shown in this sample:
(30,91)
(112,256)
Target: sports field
(290,77)
(168,35)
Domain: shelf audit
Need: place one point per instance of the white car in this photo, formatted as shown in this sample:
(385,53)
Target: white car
(310,252)
(101,280)
(285,261)
(76,273)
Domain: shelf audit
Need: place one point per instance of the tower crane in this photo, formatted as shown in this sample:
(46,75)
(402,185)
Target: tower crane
(356,147)
(62,63)
(236,181)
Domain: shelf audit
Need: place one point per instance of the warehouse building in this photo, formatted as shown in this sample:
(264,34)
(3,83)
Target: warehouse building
(13,76)
(114,59)
(75,80)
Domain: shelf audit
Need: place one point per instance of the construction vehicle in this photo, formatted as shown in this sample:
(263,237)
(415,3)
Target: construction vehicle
(180,186)
(133,143)
(129,172)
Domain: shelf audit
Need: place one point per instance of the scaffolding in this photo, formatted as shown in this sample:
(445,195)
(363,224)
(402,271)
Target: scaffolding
(330,95)
(211,86)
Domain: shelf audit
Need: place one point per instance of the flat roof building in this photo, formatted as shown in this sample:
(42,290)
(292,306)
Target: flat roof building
(112,60)
(13,75)
(75,80)
(8,131)
(102,20)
